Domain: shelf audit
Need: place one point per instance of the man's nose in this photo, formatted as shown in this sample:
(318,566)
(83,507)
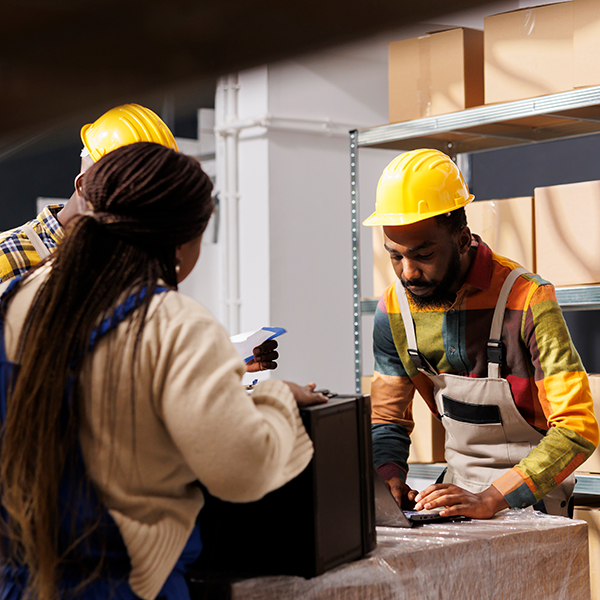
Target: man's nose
(410,270)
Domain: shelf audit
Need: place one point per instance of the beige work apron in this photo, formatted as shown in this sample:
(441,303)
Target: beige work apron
(485,433)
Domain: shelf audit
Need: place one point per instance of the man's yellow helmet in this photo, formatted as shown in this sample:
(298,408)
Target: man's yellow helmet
(418,185)
(124,125)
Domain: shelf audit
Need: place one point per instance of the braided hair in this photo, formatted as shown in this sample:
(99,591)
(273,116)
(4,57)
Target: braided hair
(145,200)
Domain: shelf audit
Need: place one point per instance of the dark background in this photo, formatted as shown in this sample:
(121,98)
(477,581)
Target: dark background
(48,165)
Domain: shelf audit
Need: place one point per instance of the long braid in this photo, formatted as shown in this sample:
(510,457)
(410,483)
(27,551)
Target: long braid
(146,200)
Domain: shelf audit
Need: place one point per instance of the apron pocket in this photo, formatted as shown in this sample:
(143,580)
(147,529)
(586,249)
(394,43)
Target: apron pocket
(478,414)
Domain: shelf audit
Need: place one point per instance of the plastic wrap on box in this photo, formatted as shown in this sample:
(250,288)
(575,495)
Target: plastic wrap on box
(516,555)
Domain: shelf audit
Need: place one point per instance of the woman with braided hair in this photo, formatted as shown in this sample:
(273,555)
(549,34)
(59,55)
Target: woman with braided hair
(117,395)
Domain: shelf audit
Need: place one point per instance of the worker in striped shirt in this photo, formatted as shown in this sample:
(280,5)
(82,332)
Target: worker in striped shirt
(485,344)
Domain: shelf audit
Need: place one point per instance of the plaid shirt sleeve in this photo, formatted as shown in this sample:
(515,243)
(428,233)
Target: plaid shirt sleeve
(17,254)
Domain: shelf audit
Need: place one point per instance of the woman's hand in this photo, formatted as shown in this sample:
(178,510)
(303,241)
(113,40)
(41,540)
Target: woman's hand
(306,395)
(458,501)
(264,357)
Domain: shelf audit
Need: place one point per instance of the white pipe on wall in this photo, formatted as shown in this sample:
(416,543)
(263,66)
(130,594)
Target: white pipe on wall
(227,161)
(228,128)
(233,198)
(290,124)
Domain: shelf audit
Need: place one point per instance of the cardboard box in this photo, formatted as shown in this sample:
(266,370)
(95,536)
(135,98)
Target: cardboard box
(365,385)
(586,42)
(528,52)
(592,465)
(592,517)
(506,226)
(435,74)
(567,240)
(428,436)
(383,272)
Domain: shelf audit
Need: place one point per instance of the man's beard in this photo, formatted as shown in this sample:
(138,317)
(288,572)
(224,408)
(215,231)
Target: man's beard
(440,295)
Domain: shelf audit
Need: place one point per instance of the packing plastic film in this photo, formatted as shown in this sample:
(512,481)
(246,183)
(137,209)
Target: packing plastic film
(519,554)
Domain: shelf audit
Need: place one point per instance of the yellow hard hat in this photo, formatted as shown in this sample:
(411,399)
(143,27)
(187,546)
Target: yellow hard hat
(418,185)
(124,125)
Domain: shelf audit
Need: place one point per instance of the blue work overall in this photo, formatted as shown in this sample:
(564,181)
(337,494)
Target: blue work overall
(76,490)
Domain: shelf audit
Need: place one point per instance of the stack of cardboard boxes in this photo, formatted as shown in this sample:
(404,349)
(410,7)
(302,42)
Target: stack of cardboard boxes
(519,54)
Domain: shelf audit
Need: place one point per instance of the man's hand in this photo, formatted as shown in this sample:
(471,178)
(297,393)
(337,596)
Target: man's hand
(264,357)
(306,395)
(458,501)
(403,494)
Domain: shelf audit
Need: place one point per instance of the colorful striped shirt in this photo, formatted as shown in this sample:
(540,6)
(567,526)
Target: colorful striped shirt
(17,254)
(547,379)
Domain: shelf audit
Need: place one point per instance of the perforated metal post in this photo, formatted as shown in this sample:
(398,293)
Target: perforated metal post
(355,257)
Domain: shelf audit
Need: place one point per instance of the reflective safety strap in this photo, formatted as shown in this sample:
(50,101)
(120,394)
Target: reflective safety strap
(495,346)
(36,241)
(418,359)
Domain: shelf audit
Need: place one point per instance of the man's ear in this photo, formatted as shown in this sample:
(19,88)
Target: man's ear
(78,183)
(464,240)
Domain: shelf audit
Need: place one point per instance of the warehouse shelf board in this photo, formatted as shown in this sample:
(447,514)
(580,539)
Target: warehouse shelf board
(583,297)
(541,119)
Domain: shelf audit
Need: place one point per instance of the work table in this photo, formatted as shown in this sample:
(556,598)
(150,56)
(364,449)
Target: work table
(518,554)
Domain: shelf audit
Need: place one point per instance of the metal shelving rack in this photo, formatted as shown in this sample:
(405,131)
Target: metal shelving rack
(546,118)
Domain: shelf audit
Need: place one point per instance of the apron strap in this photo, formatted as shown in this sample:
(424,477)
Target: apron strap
(14,282)
(494,344)
(422,364)
(36,241)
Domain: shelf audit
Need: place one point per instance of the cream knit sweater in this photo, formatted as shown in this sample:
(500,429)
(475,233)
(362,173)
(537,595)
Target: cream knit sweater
(193,421)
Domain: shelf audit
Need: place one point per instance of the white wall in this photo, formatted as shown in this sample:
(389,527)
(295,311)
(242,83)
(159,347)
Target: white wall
(295,241)
(294,184)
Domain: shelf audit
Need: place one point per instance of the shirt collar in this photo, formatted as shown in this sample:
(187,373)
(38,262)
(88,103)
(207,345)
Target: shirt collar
(48,218)
(480,273)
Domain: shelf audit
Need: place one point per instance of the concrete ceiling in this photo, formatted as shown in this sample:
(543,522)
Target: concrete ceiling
(66,59)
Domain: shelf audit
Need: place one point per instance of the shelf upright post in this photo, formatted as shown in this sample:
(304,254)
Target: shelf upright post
(355,217)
